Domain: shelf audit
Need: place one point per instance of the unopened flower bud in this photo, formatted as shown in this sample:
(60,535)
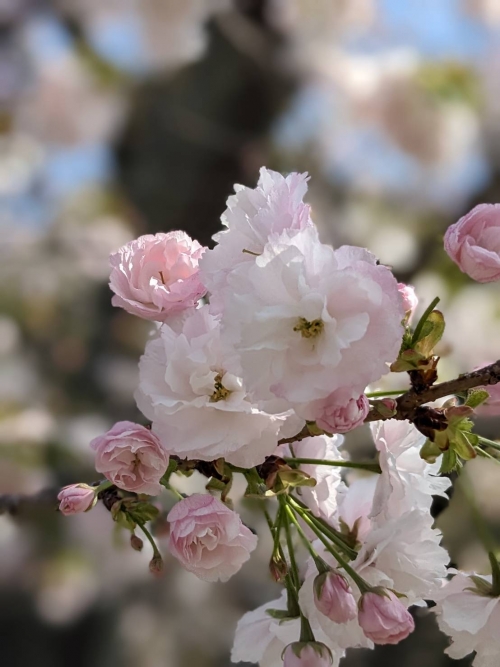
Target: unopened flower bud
(333,597)
(307,654)
(410,299)
(136,543)
(383,618)
(156,564)
(76,498)
(278,569)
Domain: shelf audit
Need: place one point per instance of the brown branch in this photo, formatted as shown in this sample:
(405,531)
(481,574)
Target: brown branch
(408,403)
(19,505)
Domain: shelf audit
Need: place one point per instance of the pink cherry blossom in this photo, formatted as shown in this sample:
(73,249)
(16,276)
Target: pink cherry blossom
(333,597)
(474,243)
(470,618)
(131,457)
(76,498)
(208,538)
(198,408)
(306,320)
(251,217)
(384,619)
(307,654)
(156,276)
(341,412)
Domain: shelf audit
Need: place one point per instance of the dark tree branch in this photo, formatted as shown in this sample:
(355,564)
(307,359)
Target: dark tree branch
(408,403)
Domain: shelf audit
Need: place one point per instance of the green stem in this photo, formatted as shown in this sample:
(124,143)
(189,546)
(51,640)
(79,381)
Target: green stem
(487,455)
(291,553)
(359,581)
(490,443)
(170,488)
(318,561)
(371,467)
(306,633)
(146,532)
(102,487)
(377,394)
(327,530)
(495,575)
(423,320)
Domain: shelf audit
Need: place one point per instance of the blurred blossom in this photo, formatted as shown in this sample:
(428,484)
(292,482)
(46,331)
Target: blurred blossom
(32,425)
(68,105)
(21,158)
(68,587)
(486,10)
(138,35)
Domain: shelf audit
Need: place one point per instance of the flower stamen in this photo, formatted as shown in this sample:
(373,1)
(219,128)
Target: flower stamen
(309,329)
(220,393)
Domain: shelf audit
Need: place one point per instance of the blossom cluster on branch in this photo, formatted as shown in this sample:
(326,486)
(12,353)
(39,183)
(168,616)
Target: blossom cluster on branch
(263,357)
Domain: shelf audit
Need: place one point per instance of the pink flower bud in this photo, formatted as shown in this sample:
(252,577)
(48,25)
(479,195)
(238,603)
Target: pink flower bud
(384,619)
(410,299)
(131,457)
(156,565)
(76,498)
(156,276)
(340,413)
(136,543)
(333,597)
(474,243)
(208,538)
(307,654)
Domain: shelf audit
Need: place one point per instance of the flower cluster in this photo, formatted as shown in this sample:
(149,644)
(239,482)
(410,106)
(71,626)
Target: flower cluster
(262,359)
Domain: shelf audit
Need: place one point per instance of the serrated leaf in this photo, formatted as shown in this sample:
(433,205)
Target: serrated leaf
(476,396)
(449,462)
(431,334)
(463,447)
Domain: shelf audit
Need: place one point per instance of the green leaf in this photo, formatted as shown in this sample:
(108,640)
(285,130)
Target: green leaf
(430,334)
(463,448)
(450,461)
(481,587)
(293,478)
(476,396)
(430,452)
(280,614)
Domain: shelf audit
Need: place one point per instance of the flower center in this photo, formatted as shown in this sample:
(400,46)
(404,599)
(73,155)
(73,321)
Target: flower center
(309,329)
(220,392)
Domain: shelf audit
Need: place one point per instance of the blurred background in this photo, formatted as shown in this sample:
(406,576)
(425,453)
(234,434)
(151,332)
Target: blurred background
(127,117)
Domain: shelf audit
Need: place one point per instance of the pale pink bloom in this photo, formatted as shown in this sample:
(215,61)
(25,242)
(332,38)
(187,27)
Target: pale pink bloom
(251,217)
(333,597)
(407,554)
(407,481)
(470,619)
(341,412)
(131,457)
(307,654)
(322,498)
(261,638)
(208,538)
(410,299)
(76,498)
(156,276)
(199,409)
(384,619)
(474,243)
(306,320)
